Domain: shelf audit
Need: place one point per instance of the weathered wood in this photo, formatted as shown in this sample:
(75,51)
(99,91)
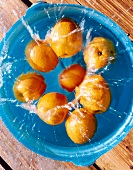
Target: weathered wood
(15,154)
(19,157)
(10,12)
(121,157)
(1,168)
(119,11)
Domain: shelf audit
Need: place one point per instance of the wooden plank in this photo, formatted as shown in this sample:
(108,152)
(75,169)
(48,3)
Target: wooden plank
(121,157)
(15,154)
(119,11)
(10,12)
(1,168)
(19,157)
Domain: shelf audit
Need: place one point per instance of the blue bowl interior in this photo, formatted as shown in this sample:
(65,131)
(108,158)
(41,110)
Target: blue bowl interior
(28,127)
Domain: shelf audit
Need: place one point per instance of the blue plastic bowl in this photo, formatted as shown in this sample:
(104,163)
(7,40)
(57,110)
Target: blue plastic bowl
(52,141)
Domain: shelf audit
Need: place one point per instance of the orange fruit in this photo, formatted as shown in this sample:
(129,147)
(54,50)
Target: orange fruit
(98,53)
(94,94)
(40,56)
(29,87)
(51,108)
(65,38)
(71,77)
(81,126)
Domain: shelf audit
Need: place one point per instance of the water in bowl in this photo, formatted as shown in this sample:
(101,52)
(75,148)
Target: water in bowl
(118,75)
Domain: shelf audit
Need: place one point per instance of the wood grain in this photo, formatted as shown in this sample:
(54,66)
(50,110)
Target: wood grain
(1,168)
(121,157)
(119,11)
(10,12)
(19,157)
(14,153)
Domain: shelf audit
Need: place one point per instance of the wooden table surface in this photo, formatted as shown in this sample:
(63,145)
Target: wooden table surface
(19,157)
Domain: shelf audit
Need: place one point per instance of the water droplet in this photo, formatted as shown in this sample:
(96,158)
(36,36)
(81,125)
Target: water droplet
(117,44)
(14,120)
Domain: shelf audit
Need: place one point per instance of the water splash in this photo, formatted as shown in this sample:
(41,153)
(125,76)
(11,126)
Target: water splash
(4,100)
(32,32)
(29,106)
(35,35)
(6,69)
